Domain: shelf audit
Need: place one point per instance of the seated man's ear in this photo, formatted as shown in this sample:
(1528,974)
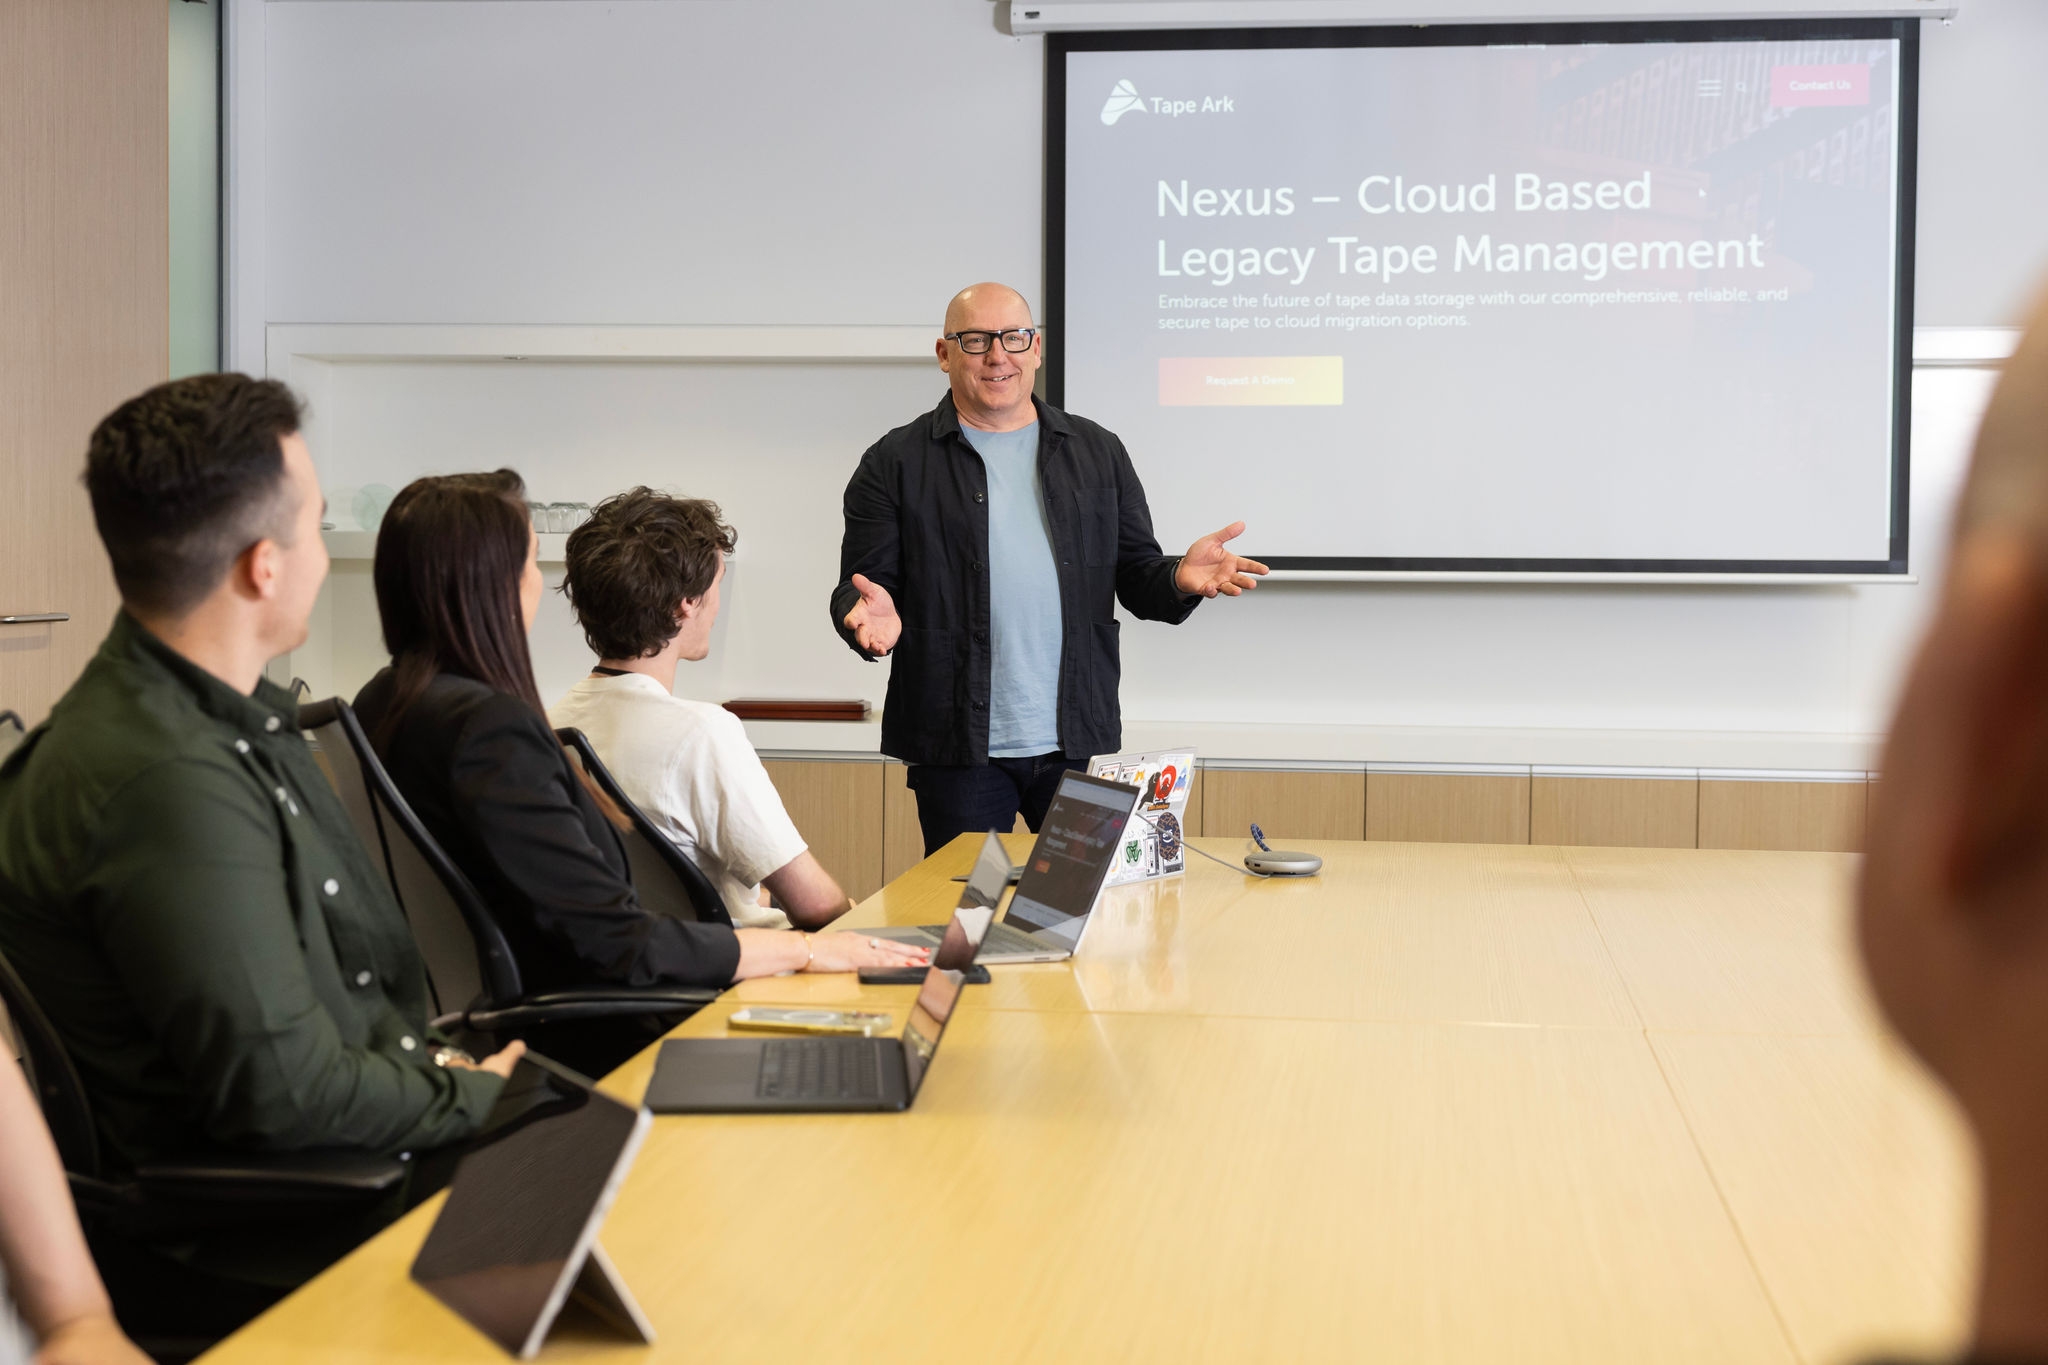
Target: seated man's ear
(258,570)
(1996,645)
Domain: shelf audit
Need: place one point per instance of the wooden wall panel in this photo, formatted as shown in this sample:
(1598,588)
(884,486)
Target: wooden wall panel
(1287,805)
(1447,808)
(1623,812)
(1820,817)
(902,838)
(1191,818)
(838,806)
(84,303)
(861,818)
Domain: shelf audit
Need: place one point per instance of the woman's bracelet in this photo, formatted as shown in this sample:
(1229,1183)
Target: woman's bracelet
(809,955)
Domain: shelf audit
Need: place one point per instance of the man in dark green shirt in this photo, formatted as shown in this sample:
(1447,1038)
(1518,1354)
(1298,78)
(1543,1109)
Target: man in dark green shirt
(179,885)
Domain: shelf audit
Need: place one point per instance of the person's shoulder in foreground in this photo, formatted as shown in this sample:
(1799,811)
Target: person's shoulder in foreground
(643,574)
(178,884)
(1952,915)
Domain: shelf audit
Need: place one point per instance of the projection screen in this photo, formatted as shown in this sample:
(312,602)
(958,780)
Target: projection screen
(1604,300)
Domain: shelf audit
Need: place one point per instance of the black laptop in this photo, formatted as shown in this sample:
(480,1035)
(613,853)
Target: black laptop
(1063,874)
(833,1074)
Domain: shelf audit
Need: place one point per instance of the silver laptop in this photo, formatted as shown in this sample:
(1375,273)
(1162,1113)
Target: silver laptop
(1077,842)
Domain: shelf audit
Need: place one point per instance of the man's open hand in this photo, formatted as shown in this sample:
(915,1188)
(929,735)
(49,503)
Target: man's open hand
(875,625)
(1208,568)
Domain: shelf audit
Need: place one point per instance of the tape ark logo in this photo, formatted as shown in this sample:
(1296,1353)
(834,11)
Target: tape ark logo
(1124,99)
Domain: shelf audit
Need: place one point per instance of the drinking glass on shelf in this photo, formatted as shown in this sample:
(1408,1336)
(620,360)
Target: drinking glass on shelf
(370,504)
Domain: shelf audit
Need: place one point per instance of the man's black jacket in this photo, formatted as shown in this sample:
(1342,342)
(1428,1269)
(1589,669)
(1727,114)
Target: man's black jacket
(917,523)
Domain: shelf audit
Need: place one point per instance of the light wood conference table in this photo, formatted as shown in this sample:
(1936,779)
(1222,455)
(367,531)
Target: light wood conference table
(1442,1103)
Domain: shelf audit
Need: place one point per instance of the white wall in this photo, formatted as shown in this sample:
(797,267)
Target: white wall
(1983,217)
(479,162)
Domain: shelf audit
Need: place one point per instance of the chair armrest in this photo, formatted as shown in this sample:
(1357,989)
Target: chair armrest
(199,1196)
(558,1007)
(309,1177)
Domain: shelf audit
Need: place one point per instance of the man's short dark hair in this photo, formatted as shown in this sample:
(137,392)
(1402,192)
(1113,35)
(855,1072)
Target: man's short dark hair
(639,556)
(185,477)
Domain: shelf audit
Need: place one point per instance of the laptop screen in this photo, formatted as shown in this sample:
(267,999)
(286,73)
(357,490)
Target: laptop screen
(1076,842)
(963,938)
(990,876)
(941,989)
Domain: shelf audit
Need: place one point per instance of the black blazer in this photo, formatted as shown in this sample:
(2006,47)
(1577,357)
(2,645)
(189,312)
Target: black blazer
(917,523)
(491,782)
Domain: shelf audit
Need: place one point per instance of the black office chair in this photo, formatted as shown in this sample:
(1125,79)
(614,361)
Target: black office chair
(664,877)
(475,980)
(173,1310)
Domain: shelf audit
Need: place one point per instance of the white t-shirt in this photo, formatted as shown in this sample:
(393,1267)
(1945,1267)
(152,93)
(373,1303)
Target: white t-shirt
(689,766)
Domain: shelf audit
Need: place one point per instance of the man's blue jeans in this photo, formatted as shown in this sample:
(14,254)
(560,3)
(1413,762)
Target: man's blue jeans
(952,801)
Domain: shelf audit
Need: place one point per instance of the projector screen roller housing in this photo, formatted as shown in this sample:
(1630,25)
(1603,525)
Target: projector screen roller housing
(1628,299)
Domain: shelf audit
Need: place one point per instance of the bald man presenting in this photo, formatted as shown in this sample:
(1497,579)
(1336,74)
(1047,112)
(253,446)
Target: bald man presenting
(986,546)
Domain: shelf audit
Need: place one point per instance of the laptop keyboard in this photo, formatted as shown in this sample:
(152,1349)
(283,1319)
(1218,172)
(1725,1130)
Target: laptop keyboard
(819,1069)
(1003,939)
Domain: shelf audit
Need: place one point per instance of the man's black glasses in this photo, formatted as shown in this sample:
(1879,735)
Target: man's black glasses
(977,343)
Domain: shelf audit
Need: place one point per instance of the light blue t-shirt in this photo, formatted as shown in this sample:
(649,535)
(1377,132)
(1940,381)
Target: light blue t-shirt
(1024,598)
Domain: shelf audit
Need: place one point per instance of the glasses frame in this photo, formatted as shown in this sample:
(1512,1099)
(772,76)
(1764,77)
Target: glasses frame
(1030,334)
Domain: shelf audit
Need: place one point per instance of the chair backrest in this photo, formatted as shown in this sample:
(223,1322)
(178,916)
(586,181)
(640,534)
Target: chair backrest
(665,880)
(52,1076)
(12,732)
(469,963)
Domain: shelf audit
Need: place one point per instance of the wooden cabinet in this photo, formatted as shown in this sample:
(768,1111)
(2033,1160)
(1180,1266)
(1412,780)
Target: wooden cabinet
(838,808)
(1821,817)
(1286,804)
(84,305)
(1621,812)
(860,816)
(1447,808)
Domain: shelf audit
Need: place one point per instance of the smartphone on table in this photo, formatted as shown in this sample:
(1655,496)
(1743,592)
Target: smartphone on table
(775,1019)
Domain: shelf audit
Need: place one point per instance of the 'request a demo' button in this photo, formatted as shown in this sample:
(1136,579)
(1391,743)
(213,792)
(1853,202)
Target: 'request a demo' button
(1251,381)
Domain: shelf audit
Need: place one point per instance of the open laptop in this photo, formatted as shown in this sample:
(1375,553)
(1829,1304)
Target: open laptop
(518,1234)
(833,1074)
(1077,842)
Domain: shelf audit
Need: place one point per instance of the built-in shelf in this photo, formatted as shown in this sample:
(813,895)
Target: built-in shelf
(1464,751)
(363,545)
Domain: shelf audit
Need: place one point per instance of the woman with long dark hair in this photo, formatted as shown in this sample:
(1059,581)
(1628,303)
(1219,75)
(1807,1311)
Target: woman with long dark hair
(459,723)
